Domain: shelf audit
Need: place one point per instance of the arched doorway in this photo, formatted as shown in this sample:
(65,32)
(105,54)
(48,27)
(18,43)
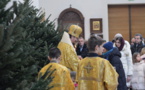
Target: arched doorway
(70,16)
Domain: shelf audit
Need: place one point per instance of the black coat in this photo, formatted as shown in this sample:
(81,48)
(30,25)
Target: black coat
(84,51)
(114,59)
(137,48)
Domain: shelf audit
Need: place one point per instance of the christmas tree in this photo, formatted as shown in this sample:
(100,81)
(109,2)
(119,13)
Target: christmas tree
(25,39)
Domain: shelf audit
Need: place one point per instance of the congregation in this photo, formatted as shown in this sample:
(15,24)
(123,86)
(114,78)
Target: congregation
(96,64)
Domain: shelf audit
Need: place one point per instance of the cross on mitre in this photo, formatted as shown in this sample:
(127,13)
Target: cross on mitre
(88,67)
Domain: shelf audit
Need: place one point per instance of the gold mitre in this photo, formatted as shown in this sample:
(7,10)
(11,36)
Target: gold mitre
(75,30)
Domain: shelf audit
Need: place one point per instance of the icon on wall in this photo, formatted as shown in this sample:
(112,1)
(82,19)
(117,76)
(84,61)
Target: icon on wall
(96,25)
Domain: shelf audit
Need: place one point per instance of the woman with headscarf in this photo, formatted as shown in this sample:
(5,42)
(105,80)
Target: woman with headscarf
(126,58)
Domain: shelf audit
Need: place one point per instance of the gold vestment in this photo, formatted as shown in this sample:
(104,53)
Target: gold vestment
(69,57)
(95,73)
(61,80)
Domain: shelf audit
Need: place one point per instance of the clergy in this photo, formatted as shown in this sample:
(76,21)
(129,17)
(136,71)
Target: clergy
(62,79)
(68,53)
(95,73)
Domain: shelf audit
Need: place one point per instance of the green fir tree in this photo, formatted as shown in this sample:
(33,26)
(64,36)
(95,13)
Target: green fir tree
(25,40)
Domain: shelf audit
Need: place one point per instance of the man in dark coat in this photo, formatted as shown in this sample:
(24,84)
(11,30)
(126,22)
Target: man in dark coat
(82,49)
(113,56)
(138,45)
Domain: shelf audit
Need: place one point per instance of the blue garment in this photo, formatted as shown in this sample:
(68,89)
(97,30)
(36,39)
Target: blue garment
(107,54)
(113,57)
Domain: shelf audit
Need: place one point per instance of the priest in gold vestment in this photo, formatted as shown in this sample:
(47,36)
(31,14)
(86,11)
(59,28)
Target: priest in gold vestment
(68,53)
(95,73)
(62,79)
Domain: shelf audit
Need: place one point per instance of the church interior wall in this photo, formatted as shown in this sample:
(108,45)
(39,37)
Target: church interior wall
(89,9)
(126,2)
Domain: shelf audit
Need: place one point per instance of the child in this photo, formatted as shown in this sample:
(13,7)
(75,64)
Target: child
(113,55)
(95,73)
(143,53)
(62,79)
(138,78)
(73,76)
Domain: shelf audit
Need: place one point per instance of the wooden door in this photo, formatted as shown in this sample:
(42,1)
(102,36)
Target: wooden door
(138,19)
(127,20)
(118,21)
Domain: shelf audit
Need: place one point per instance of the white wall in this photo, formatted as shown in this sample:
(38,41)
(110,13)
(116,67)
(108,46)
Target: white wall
(89,9)
(35,3)
(10,4)
(126,1)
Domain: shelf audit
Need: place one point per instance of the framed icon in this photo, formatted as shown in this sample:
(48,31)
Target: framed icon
(96,25)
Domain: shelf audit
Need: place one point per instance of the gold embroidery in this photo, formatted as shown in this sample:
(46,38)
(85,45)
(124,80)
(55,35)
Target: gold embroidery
(63,81)
(101,70)
(88,67)
(64,74)
(58,85)
(90,78)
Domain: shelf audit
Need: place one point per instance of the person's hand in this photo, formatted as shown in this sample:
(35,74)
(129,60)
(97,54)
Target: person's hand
(128,78)
(80,57)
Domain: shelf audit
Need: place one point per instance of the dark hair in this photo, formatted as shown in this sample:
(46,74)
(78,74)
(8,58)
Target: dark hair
(54,52)
(81,37)
(139,35)
(113,41)
(93,41)
(104,41)
(134,57)
(70,35)
(73,74)
(122,42)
